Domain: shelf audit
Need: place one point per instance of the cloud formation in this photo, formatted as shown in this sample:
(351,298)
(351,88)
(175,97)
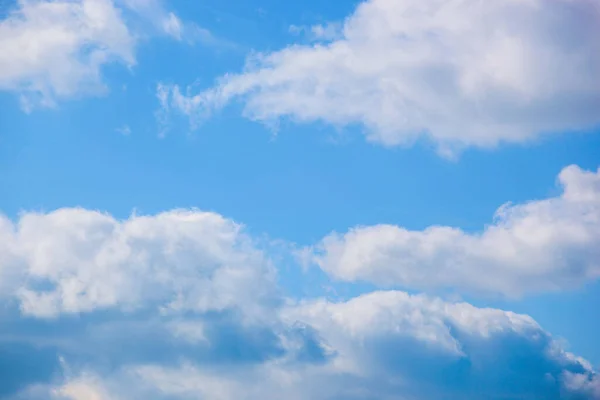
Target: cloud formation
(185,305)
(384,345)
(458,73)
(55,50)
(541,245)
(77,260)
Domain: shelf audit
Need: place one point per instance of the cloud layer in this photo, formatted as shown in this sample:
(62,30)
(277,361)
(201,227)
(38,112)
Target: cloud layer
(541,245)
(185,305)
(459,73)
(384,345)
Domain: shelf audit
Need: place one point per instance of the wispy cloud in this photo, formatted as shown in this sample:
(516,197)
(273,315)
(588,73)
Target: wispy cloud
(56,50)
(456,73)
(124,130)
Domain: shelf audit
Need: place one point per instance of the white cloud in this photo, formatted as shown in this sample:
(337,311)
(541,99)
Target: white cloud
(427,320)
(153,12)
(190,331)
(172,26)
(76,260)
(82,388)
(584,384)
(195,313)
(385,345)
(53,50)
(541,245)
(460,73)
(167,22)
(411,345)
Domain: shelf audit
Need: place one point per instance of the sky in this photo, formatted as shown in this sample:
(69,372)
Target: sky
(379,199)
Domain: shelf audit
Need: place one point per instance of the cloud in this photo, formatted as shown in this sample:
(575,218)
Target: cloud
(384,345)
(124,130)
(76,260)
(325,32)
(541,245)
(153,12)
(184,305)
(83,388)
(588,386)
(458,73)
(423,347)
(165,22)
(56,50)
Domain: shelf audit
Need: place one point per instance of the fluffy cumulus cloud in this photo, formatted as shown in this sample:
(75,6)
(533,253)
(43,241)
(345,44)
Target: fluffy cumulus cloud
(52,50)
(588,386)
(184,305)
(459,73)
(384,345)
(540,245)
(76,260)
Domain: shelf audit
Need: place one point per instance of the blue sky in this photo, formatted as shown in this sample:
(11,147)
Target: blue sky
(197,196)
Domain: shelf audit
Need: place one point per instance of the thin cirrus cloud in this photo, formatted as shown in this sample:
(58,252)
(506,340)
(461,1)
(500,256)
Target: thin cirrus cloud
(167,22)
(457,73)
(541,245)
(56,50)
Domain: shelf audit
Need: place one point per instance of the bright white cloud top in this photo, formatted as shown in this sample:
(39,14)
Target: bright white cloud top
(459,73)
(78,260)
(541,245)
